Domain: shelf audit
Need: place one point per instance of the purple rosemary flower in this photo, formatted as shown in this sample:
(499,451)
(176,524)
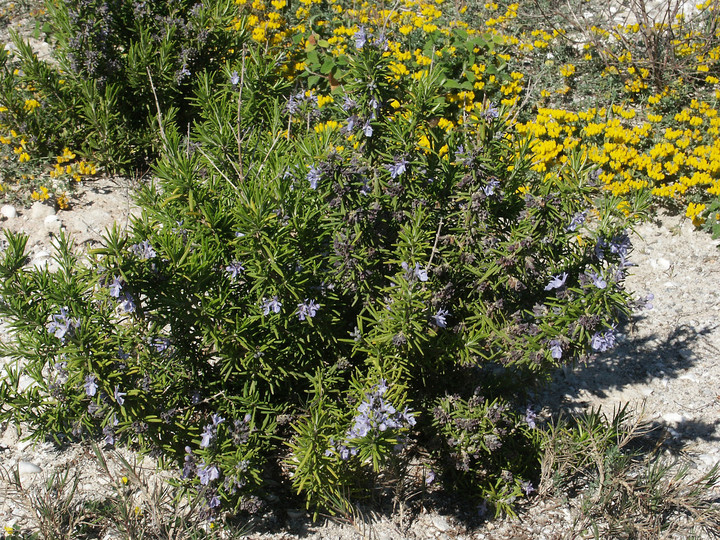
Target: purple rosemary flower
(557,281)
(418,272)
(360,38)
(429,477)
(207,473)
(556,349)
(189,466)
(307,309)
(207,436)
(597,279)
(234,269)
(490,188)
(375,415)
(603,341)
(530,418)
(367,129)
(127,304)
(115,287)
(214,502)
(348,104)
(620,244)
(600,248)
(439,318)
(109,433)
(491,112)
(397,168)
(62,325)
(577,220)
(314,176)
(90,385)
(143,250)
(234,78)
(527,487)
(119,396)
(273,305)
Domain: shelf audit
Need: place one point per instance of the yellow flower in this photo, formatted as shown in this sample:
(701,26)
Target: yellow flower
(31,105)
(567,70)
(64,203)
(693,210)
(324,100)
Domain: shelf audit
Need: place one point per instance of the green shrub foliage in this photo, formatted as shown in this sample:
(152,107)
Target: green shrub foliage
(311,294)
(115,63)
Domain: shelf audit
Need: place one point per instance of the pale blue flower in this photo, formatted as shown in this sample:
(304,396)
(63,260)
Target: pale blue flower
(115,287)
(439,318)
(360,38)
(234,269)
(556,349)
(207,436)
(577,220)
(418,271)
(207,473)
(530,418)
(62,325)
(309,308)
(143,250)
(127,304)
(90,385)
(557,281)
(397,168)
(273,305)
(597,280)
(119,396)
(314,176)
(603,341)
(490,188)
(491,112)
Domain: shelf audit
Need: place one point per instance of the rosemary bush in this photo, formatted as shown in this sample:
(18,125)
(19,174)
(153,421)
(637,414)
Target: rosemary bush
(316,292)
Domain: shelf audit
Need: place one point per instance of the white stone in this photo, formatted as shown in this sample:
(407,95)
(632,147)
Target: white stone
(662,264)
(26,467)
(8,211)
(40,211)
(673,418)
(441,523)
(708,460)
(51,220)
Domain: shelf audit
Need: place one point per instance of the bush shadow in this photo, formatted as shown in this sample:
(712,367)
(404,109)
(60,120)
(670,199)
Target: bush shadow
(647,362)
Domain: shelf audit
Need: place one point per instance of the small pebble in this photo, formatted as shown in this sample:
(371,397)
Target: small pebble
(25,467)
(40,211)
(662,264)
(441,523)
(8,211)
(673,418)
